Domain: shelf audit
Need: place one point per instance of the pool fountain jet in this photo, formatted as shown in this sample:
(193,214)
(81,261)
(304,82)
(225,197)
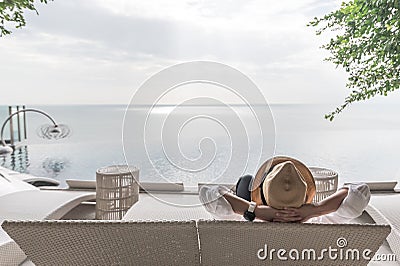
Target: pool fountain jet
(54,131)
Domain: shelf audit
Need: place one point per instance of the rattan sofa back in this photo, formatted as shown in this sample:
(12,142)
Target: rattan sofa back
(244,243)
(106,243)
(189,242)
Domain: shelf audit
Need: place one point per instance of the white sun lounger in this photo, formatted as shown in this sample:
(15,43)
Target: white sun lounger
(31,179)
(9,185)
(184,243)
(168,207)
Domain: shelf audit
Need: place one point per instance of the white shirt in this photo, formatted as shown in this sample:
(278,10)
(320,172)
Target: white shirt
(351,207)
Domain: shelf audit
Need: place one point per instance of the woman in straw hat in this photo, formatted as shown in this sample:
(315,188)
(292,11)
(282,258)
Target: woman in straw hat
(282,191)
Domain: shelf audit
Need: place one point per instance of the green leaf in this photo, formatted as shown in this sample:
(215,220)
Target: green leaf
(367,47)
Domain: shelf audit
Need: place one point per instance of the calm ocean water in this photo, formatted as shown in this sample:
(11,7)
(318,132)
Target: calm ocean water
(362,144)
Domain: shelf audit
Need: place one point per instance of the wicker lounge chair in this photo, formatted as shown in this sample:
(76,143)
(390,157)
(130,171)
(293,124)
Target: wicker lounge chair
(227,242)
(107,243)
(183,243)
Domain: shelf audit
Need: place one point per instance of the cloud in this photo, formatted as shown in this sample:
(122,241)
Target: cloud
(97,32)
(77,47)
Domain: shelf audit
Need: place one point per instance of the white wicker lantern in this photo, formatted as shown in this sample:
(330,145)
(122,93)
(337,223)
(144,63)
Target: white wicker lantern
(117,189)
(326,182)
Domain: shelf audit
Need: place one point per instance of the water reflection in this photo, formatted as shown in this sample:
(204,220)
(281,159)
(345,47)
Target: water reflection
(18,160)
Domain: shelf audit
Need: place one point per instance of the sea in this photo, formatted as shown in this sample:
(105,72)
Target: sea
(201,144)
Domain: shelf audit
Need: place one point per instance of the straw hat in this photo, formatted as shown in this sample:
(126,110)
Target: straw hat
(283,182)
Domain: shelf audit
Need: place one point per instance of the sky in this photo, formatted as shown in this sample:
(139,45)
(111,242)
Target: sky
(101,51)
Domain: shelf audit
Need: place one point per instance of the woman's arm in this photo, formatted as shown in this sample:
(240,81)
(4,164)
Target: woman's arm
(332,203)
(262,212)
(307,211)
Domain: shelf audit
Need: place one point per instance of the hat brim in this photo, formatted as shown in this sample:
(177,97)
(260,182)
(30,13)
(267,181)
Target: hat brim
(269,164)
